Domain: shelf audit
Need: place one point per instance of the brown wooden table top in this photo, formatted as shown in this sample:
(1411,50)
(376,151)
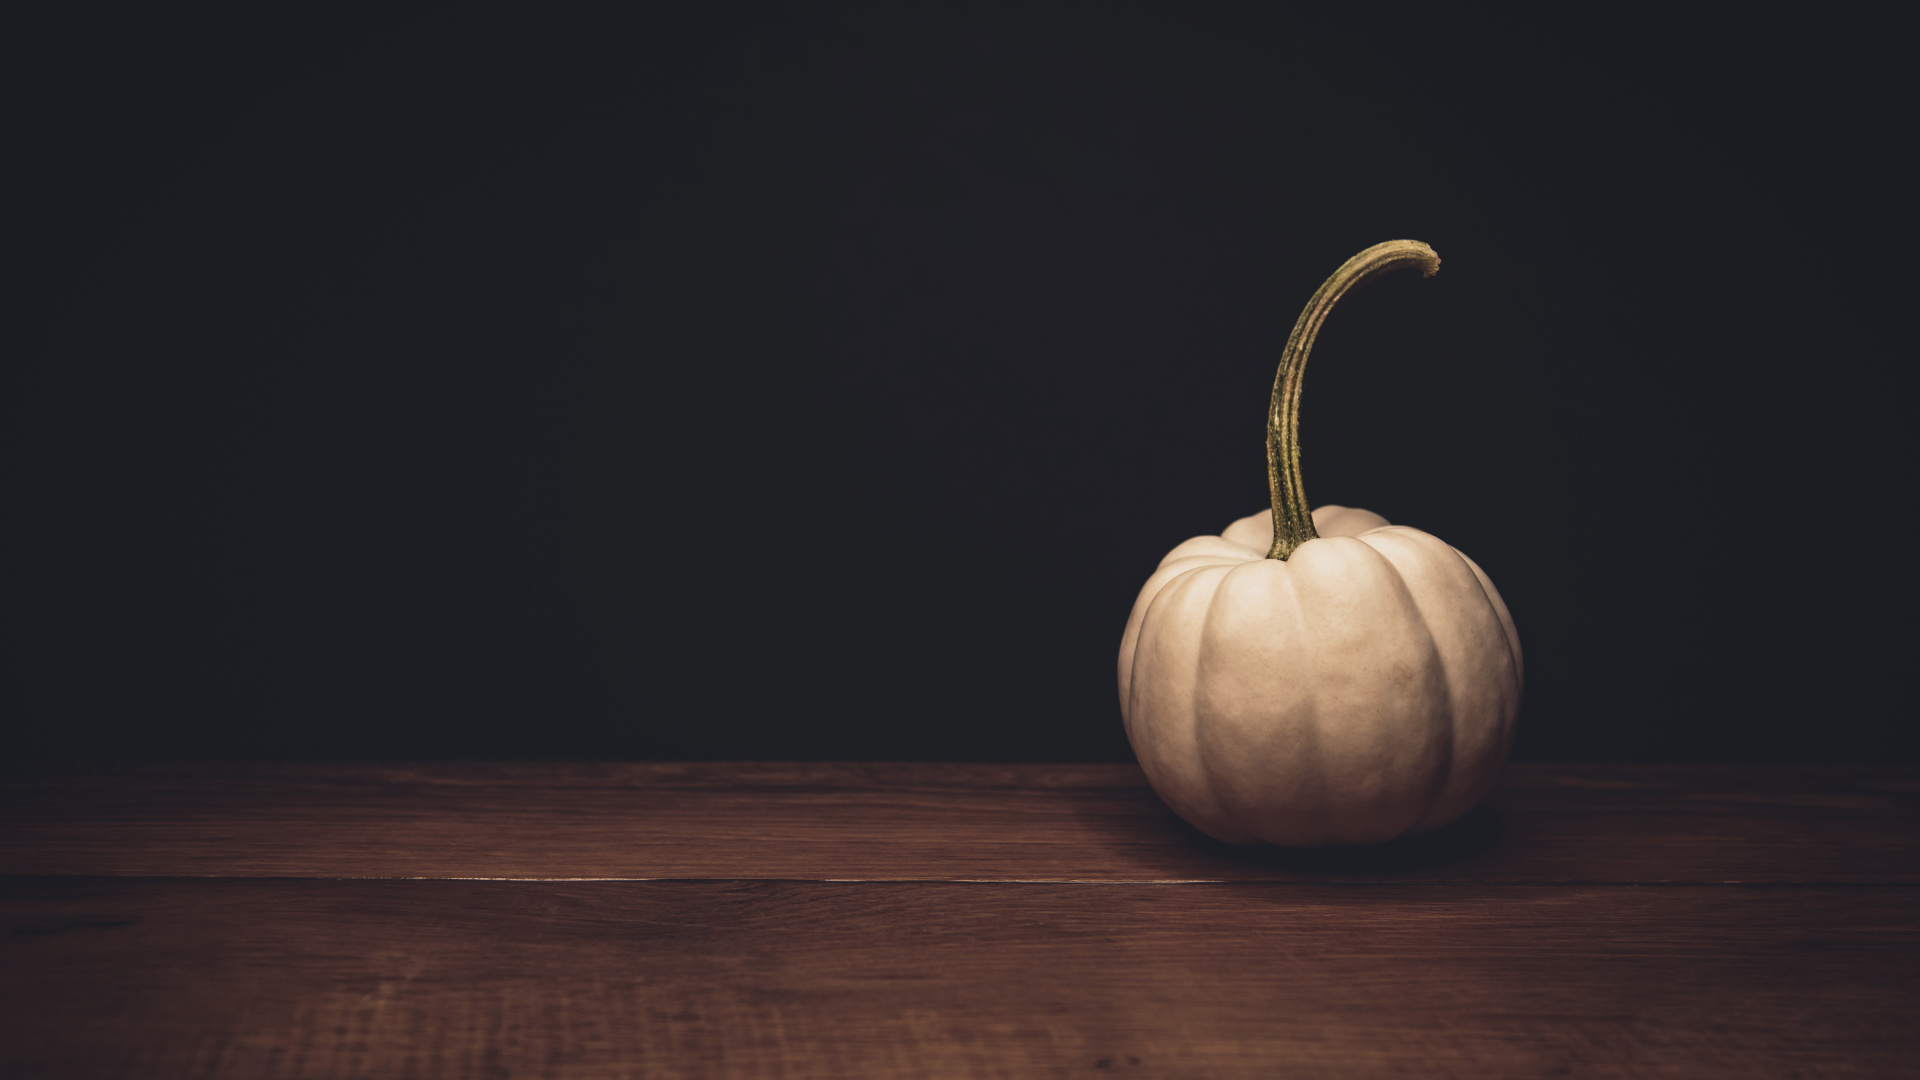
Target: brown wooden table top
(845,920)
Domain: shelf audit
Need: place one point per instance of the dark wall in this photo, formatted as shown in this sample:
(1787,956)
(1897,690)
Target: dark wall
(823,381)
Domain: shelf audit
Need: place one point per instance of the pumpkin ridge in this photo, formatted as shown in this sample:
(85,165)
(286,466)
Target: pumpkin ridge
(1223,774)
(1431,668)
(1505,705)
(1437,788)
(1149,593)
(1501,615)
(1167,588)
(1208,808)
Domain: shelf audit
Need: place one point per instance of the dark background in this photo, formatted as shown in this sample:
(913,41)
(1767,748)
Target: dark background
(824,381)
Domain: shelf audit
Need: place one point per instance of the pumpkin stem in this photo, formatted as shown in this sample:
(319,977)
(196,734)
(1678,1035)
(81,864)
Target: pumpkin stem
(1292,520)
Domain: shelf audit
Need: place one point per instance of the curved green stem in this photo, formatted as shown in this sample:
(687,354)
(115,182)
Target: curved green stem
(1292,519)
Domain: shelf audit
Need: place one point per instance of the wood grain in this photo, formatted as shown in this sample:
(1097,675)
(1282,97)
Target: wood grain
(308,979)
(927,822)
(888,920)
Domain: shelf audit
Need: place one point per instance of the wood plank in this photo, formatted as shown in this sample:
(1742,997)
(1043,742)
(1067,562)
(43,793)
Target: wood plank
(307,978)
(936,822)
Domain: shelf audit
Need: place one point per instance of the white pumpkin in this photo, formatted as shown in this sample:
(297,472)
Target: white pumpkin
(1362,689)
(1347,681)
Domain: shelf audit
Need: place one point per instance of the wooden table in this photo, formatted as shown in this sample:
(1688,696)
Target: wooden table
(881,920)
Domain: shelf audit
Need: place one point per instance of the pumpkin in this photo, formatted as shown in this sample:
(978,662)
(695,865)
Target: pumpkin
(1319,678)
